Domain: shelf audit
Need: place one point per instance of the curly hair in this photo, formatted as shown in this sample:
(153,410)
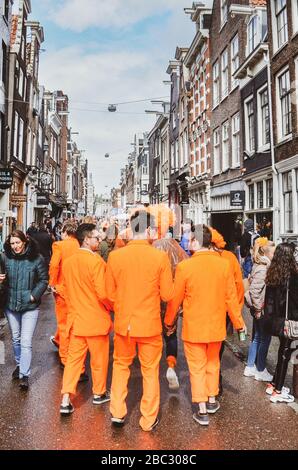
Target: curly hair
(283,265)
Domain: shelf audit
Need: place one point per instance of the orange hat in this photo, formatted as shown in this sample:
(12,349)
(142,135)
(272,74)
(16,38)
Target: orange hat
(217,239)
(164,218)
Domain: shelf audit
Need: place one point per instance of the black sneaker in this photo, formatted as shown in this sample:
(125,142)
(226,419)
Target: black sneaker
(212,407)
(201,418)
(100,399)
(156,422)
(118,422)
(24,383)
(16,373)
(66,410)
(83,378)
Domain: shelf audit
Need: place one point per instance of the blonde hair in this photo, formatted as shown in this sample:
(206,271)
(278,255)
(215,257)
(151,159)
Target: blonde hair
(261,248)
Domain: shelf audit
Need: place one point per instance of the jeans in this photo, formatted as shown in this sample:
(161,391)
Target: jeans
(259,346)
(22,327)
(170,341)
(247,266)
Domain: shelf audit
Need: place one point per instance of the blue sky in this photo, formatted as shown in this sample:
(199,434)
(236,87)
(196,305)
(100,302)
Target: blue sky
(114,51)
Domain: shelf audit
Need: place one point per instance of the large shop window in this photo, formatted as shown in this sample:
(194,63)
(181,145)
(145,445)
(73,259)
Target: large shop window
(288,201)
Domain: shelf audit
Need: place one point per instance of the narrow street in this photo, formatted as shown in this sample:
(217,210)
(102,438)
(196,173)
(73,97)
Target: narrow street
(246,420)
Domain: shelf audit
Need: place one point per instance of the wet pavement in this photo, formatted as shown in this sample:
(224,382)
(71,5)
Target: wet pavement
(246,420)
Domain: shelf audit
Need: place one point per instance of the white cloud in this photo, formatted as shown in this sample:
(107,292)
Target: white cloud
(78,16)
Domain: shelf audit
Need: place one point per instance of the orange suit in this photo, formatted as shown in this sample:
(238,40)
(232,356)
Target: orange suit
(88,321)
(61,251)
(204,285)
(137,278)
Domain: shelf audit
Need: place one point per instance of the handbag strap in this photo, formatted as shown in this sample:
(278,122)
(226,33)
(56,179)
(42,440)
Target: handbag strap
(287,301)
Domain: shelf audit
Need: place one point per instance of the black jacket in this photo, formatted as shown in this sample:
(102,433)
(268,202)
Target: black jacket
(275,306)
(3,285)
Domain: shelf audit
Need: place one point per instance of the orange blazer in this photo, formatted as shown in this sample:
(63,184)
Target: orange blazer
(236,270)
(137,278)
(61,252)
(205,286)
(85,294)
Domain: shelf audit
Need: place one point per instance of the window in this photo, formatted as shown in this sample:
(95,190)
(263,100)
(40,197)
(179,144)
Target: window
(23,48)
(236,140)
(269,193)
(288,202)
(284,90)
(224,74)
(265,123)
(225,146)
(215,84)
(223,11)
(21,139)
(252,34)
(15,134)
(6,9)
(4,63)
(234,59)
(251,193)
(281,21)
(21,83)
(260,195)
(250,127)
(295,15)
(216,163)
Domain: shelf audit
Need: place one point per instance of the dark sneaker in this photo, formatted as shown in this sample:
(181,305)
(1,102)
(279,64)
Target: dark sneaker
(16,373)
(24,383)
(156,422)
(118,422)
(66,410)
(83,378)
(201,418)
(54,342)
(212,407)
(100,399)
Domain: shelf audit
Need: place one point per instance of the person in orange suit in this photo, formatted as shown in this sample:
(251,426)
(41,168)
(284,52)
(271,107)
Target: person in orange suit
(219,245)
(88,321)
(138,276)
(62,250)
(204,285)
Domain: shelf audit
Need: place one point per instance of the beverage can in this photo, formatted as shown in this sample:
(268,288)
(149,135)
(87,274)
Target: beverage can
(241,335)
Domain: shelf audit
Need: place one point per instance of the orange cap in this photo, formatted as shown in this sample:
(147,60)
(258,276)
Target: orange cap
(217,239)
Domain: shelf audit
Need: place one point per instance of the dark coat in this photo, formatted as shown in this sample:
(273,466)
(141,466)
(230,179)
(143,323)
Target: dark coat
(26,275)
(3,285)
(275,306)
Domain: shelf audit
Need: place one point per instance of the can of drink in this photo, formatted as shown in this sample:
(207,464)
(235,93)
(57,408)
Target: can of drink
(241,335)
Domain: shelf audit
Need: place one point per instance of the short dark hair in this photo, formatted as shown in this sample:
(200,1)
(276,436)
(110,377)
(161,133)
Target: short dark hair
(202,234)
(70,228)
(140,221)
(84,230)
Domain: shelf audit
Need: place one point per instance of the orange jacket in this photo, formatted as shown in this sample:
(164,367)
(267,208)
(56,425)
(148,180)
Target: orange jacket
(137,278)
(236,273)
(61,252)
(204,285)
(85,294)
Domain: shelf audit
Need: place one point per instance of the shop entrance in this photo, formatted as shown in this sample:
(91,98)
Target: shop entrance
(230,226)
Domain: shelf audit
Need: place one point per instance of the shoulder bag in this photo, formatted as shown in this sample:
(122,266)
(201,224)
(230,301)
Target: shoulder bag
(290,326)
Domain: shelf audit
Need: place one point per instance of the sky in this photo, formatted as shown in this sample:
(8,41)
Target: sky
(100,52)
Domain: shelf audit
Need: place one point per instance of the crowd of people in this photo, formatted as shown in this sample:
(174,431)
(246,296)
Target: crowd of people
(136,282)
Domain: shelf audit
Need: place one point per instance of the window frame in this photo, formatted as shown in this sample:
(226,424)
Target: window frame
(282,11)
(225,142)
(236,135)
(216,151)
(279,107)
(224,62)
(235,61)
(216,84)
(248,138)
(262,146)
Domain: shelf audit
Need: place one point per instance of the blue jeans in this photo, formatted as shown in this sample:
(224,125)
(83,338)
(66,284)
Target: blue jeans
(259,346)
(22,327)
(247,266)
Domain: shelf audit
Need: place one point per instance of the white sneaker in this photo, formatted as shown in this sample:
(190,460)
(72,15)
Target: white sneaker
(263,376)
(270,388)
(281,397)
(250,371)
(172,379)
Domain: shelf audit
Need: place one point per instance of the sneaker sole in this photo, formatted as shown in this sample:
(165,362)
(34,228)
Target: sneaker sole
(202,423)
(263,380)
(117,422)
(211,412)
(276,400)
(101,402)
(66,412)
(248,374)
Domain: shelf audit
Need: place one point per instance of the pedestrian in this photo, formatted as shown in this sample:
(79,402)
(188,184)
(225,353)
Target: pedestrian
(26,279)
(255,298)
(62,250)
(108,244)
(281,299)
(186,233)
(88,318)
(138,277)
(44,242)
(32,230)
(205,286)
(219,245)
(246,244)
(57,231)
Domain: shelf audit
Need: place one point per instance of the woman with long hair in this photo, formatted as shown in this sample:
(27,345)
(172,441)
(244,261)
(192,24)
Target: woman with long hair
(281,295)
(26,278)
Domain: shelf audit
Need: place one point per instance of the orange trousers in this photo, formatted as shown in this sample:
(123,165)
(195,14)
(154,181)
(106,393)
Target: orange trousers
(61,336)
(204,364)
(149,353)
(98,347)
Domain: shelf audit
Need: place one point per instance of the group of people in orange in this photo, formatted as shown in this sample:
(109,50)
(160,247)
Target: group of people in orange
(136,284)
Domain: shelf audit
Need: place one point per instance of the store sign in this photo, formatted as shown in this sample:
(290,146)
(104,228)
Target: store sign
(6,178)
(18,198)
(237,199)
(42,199)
